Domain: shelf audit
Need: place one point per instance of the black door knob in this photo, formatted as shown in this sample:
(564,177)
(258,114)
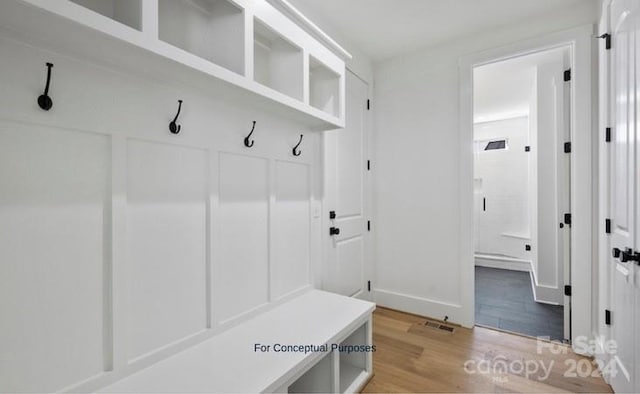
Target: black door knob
(615,252)
(625,256)
(334,231)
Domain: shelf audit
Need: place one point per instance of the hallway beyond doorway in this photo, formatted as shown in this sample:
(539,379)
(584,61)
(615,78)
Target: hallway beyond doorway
(504,300)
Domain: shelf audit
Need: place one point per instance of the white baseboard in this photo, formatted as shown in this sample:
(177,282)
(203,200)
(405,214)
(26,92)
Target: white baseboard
(505,263)
(421,306)
(545,294)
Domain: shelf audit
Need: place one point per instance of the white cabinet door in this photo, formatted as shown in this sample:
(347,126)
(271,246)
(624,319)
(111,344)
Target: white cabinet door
(345,169)
(622,189)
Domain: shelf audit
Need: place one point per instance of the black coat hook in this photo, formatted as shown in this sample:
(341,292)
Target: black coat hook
(295,151)
(44,101)
(248,143)
(173,127)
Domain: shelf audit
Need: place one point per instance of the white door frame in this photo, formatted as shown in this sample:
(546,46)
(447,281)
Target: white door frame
(580,40)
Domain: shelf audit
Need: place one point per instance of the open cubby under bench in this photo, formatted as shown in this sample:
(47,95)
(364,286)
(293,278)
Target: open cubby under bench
(235,361)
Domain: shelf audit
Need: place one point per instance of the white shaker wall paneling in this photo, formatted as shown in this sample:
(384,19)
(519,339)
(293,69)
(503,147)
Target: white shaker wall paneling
(240,272)
(131,214)
(166,244)
(54,256)
(290,265)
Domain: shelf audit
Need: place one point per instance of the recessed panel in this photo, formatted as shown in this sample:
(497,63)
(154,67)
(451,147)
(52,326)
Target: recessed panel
(292,220)
(54,210)
(240,273)
(350,255)
(350,158)
(166,244)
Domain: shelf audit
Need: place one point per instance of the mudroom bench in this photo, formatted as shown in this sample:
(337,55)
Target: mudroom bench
(317,342)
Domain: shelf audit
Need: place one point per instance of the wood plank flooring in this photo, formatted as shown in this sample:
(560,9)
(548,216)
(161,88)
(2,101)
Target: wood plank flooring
(412,357)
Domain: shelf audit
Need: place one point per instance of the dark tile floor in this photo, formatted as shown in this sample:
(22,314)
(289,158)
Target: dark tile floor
(504,300)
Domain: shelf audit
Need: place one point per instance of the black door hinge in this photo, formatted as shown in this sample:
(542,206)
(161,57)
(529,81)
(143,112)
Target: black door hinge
(567,75)
(527,148)
(368,165)
(567,147)
(369,285)
(368,104)
(607,226)
(567,219)
(607,134)
(567,290)
(607,317)
(607,40)
(368,225)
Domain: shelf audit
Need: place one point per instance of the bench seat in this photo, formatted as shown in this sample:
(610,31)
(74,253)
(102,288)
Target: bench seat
(229,362)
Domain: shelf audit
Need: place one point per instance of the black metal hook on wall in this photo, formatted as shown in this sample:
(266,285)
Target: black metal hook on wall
(247,142)
(44,101)
(173,127)
(295,150)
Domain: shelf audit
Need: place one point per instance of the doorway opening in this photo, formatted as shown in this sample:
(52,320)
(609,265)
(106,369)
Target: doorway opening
(521,191)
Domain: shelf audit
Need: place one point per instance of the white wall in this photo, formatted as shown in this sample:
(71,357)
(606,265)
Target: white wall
(125,243)
(417,185)
(502,178)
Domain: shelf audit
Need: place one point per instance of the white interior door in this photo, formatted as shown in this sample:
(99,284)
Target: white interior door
(622,198)
(345,184)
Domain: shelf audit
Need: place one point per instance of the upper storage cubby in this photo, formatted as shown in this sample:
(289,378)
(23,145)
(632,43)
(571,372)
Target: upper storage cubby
(260,54)
(277,63)
(324,87)
(210,29)
(128,12)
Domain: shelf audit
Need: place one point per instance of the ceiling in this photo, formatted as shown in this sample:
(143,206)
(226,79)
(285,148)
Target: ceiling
(383,29)
(505,89)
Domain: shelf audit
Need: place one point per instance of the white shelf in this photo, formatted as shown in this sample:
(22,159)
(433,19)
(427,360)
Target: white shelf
(277,63)
(318,379)
(352,378)
(158,43)
(127,12)
(210,29)
(353,366)
(324,88)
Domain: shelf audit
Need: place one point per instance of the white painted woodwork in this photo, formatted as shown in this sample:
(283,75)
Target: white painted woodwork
(623,197)
(290,265)
(278,64)
(345,172)
(228,363)
(128,12)
(124,243)
(211,29)
(318,379)
(167,194)
(205,44)
(241,268)
(55,257)
(324,88)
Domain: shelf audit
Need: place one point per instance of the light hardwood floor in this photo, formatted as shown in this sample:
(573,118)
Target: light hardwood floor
(411,357)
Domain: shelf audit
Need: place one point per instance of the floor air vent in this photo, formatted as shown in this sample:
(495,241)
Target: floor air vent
(438,326)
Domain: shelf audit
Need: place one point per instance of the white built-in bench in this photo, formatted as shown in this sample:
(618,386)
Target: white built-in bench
(234,361)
